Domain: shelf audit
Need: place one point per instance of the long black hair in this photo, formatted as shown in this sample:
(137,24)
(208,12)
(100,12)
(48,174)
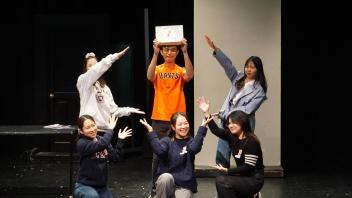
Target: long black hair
(259,77)
(242,119)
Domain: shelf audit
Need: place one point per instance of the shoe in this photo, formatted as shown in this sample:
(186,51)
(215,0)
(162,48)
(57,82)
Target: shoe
(258,195)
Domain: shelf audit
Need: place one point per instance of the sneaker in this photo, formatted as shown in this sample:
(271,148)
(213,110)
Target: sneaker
(257,195)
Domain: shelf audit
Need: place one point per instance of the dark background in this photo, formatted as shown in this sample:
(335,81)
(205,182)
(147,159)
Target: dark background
(43,44)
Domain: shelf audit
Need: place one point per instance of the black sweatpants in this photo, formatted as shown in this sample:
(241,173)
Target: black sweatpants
(229,186)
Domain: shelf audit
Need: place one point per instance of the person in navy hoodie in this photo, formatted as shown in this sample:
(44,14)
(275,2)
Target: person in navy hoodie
(175,173)
(95,152)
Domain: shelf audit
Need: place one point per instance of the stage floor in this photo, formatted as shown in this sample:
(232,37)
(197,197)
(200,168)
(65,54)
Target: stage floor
(131,179)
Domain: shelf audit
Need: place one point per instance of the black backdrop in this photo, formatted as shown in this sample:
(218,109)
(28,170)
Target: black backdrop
(315,66)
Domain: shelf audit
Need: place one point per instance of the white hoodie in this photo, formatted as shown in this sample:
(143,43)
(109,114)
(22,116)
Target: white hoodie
(96,101)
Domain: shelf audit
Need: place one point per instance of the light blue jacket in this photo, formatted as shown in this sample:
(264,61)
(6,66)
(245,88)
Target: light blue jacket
(252,97)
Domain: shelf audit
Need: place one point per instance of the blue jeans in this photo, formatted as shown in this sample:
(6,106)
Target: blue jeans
(84,191)
(223,153)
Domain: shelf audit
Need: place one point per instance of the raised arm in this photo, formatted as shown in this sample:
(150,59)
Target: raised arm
(221,133)
(116,153)
(87,79)
(224,61)
(160,148)
(188,63)
(196,145)
(152,64)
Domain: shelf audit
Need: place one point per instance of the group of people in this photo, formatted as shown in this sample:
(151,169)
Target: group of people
(174,148)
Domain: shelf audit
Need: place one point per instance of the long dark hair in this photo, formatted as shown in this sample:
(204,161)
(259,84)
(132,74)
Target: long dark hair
(89,56)
(80,123)
(259,77)
(173,120)
(242,119)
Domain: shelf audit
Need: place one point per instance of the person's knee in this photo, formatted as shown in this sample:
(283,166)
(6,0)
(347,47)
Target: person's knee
(165,178)
(86,193)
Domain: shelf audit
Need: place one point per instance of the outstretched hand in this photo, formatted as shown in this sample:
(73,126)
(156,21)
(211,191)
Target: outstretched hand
(145,123)
(112,121)
(123,52)
(210,42)
(136,110)
(125,133)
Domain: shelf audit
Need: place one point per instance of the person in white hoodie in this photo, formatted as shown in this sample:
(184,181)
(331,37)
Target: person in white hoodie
(96,98)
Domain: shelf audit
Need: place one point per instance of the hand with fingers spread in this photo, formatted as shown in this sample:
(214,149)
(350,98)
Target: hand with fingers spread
(221,168)
(126,132)
(203,105)
(112,121)
(146,124)
(123,52)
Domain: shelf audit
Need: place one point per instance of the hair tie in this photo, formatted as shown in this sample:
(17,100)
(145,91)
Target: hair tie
(91,54)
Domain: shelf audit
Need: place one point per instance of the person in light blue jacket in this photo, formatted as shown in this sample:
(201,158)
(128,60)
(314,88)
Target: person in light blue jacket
(247,93)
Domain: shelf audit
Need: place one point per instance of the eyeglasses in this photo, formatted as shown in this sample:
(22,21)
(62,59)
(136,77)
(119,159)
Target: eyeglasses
(171,49)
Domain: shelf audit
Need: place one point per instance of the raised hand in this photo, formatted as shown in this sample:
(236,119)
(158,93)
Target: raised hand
(136,110)
(123,52)
(184,45)
(156,46)
(112,121)
(125,133)
(210,42)
(206,120)
(203,105)
(145,123)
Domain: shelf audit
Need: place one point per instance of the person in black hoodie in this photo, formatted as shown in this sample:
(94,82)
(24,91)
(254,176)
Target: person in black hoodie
(175,172)
(247,178)
(95,152)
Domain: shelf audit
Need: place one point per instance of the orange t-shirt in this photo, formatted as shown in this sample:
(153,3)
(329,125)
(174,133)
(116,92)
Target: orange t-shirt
(168,92)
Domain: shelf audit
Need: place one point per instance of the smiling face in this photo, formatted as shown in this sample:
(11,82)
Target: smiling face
(234,128)
(181,127)
(89,129)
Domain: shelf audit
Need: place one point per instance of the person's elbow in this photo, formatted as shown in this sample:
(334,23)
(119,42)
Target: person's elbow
(188,77)
(151,77)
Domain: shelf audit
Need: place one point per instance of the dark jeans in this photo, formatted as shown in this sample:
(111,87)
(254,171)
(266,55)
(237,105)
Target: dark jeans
(162,130)
(229,186)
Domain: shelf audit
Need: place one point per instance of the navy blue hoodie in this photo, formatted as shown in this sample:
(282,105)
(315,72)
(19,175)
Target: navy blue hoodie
(94,156)
(177,157)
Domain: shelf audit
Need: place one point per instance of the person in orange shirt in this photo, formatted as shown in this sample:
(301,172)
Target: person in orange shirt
(168,79)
